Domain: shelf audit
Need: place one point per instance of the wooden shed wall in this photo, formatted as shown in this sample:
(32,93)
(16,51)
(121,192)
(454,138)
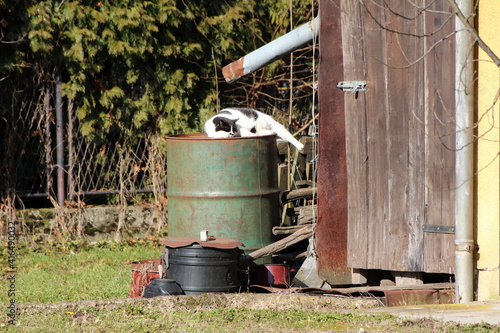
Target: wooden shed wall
(399,133)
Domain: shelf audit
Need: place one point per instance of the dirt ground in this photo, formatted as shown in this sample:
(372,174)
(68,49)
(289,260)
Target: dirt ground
(205,302)
(243,312)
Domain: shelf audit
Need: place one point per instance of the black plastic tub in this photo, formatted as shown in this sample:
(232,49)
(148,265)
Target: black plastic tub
(200,269)
(162,287)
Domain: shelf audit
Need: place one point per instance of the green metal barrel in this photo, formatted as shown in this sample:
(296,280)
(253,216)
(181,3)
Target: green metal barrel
(226,186)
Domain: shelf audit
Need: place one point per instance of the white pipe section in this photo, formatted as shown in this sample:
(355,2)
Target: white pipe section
(272,51)
(464,172)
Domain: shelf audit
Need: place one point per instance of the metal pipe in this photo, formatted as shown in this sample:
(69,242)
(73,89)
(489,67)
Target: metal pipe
(59,140)
(110,192)
(71,151)
(464,172)
(32,195)
(83,193)
(271,51)
(47,140)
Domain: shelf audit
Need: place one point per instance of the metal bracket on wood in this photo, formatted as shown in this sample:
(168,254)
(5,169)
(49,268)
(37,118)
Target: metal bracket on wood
(352,86)
(440,229)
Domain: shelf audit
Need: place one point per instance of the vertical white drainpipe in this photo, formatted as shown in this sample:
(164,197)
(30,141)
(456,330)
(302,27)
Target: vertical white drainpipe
(464,93)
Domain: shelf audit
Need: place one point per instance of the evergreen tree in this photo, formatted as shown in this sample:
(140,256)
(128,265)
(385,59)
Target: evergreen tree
(131,66)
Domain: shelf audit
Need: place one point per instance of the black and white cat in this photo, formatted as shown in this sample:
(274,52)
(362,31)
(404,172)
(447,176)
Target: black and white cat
(234,122)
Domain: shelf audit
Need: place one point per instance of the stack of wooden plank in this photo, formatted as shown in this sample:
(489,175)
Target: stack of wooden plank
(298,201)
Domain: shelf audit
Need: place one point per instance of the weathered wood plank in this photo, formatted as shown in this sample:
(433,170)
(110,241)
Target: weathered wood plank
(356,135)
(387,193)
(301,193)
(404,85)
(359,276)
(415,194)
(440,138)
(286,230)
(331,231)
(283,177)
(310,171)
(399,160)
(298,236)
(404,279)
(376,127)
(290,256)
(306,140)
(304,214)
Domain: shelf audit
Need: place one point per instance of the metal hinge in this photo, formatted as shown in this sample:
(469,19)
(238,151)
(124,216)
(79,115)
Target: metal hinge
(352,86)
(441,229)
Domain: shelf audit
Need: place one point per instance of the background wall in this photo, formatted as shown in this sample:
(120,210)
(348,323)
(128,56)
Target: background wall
(488,161)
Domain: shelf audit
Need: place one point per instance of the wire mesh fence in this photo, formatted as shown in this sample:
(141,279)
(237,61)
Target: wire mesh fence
(90,167)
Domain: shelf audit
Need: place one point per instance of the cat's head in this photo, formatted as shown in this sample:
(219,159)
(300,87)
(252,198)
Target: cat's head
(225,128)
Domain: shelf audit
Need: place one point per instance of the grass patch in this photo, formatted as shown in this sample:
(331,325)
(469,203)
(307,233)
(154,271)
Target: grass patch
(77,271)
(133,318)
(142,318)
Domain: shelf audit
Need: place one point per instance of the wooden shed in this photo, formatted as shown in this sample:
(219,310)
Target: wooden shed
(386,173)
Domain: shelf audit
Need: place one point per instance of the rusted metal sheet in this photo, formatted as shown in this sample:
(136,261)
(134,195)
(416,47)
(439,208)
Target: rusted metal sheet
(418,296)
(331,229)
(234,70)
(389,296)
(213,242)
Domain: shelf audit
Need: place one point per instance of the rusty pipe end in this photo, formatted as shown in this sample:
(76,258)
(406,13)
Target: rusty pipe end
(234,70)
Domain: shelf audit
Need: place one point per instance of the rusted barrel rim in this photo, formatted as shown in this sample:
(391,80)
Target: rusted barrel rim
(203,136)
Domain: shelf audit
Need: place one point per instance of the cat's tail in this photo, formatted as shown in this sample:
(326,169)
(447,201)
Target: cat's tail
(296,143)
(283,133)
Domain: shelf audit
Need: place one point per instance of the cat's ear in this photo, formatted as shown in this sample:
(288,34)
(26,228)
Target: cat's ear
(219,122)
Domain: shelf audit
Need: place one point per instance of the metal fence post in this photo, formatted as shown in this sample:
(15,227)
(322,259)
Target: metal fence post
(59,140)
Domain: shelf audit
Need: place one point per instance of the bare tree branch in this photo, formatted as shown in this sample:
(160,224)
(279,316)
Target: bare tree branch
(386,27)
(474,32)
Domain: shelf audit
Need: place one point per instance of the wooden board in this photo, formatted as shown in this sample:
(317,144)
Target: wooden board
(356,139)
(440,140)
(331,228)
(397,133)
(391,156)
